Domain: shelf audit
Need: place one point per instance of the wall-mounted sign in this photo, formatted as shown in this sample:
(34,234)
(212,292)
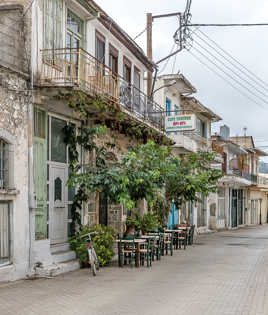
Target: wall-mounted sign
(180,123)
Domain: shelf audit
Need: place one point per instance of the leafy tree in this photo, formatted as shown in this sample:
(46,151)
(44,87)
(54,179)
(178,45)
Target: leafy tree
(191,175)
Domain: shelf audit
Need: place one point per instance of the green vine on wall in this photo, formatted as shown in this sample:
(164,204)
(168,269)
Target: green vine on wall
(105,115)
(111,115)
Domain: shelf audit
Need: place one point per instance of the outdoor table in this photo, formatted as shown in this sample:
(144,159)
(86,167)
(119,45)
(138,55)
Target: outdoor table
(156,237)
(138,242)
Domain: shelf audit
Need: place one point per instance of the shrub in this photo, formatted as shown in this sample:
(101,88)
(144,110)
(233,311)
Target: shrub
(102,241)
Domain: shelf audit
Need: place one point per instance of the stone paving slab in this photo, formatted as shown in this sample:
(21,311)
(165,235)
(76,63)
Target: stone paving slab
(224,273)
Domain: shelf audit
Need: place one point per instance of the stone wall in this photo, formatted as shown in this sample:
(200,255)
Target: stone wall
(15,102)
(15,35)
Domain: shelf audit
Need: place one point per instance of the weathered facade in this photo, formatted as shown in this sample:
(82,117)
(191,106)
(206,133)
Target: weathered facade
(53,47)
(15,139)
(173,91)
(241,198)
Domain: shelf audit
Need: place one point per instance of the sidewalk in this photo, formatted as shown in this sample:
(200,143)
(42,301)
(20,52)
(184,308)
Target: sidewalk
(225,273)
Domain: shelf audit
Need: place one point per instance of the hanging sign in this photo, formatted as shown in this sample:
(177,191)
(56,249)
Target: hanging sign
(180,123)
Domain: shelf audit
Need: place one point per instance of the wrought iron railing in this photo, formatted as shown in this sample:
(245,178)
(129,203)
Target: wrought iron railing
(250,177)
(76,67)
(262,180)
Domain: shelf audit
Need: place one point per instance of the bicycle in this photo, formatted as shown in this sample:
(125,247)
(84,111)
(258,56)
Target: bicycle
(92,256)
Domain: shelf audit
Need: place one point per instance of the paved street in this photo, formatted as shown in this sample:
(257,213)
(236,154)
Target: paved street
(223,274)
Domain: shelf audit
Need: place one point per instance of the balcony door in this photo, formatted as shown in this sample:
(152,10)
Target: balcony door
(137,90)
(74,41)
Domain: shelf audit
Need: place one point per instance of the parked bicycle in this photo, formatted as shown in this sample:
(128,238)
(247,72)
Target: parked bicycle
(92,256)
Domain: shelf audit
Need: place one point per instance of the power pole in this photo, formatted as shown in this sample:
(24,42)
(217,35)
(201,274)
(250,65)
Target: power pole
(149,49)
(150,18)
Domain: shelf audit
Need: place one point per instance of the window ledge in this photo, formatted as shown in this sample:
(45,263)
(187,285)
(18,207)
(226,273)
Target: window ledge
(9,192)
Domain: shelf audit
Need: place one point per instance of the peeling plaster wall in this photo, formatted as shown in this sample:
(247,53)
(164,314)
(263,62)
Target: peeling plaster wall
(14,106)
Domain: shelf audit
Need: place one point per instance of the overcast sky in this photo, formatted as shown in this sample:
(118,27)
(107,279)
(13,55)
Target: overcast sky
(249,45)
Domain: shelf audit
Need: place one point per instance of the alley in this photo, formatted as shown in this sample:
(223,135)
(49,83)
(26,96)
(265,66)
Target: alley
(224,273)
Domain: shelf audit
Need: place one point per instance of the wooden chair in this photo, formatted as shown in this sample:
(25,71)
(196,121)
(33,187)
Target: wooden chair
(146,252)
(168,243)
(127,251)
(191,235)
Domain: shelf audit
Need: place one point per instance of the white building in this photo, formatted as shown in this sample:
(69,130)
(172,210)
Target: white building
(174,91)
(71,45)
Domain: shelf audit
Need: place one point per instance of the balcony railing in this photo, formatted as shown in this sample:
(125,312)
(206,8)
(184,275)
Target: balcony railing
(203,144)
(77,68)
(262,180)
(250,177)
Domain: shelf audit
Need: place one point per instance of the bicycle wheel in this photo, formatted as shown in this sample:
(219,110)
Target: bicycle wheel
(93,267)
(95,258)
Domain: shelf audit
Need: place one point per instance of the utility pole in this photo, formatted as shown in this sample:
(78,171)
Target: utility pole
(149,49)
(149,27)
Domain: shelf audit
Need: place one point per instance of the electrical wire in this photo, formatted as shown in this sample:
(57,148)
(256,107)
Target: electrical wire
(232,78)
(224,25)
(234,65)
(228,82)
(174,63)
(234,59)
(142,32)
(232,71)
(167,62)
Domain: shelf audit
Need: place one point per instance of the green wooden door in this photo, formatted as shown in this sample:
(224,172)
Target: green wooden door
(40,174)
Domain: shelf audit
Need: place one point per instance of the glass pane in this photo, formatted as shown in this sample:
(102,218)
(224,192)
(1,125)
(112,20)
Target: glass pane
(4,233)
(74,23)
(58,189)
(58,146)
(69,212)
(39,123)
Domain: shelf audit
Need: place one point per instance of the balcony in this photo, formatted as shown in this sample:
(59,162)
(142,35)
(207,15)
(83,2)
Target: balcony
(191,142)
(250,177)
(77,68)
(262,181)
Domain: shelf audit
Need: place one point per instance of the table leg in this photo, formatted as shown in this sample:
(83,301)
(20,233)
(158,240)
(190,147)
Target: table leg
(137,263)
(119,264)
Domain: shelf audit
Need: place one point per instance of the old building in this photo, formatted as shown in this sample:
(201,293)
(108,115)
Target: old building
(70,47)
(174,91)
(241,196)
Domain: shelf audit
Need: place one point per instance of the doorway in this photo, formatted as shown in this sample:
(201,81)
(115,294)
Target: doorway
(103,209)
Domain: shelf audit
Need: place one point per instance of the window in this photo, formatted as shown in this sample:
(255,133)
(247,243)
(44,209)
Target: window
(127,70)
(75,31)
(201,128)
(113,59)
(168,107)
(100,47)
(53,24)
(3,164)
(58,145)
(137,86)
(176,110)
(5,232)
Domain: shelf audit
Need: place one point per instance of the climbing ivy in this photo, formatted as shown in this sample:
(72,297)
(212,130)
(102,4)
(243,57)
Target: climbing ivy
(102,115)
(110,114)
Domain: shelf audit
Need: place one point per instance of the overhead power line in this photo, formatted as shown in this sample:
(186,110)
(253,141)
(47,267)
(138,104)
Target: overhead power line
(227,81)
(232,78)
(226,25)
(142,32)
(234,73)
(234,59)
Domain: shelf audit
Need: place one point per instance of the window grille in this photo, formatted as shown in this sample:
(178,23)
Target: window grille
(3,164)
(5,238)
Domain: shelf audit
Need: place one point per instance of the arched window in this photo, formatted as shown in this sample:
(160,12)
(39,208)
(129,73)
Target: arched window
(4,167)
